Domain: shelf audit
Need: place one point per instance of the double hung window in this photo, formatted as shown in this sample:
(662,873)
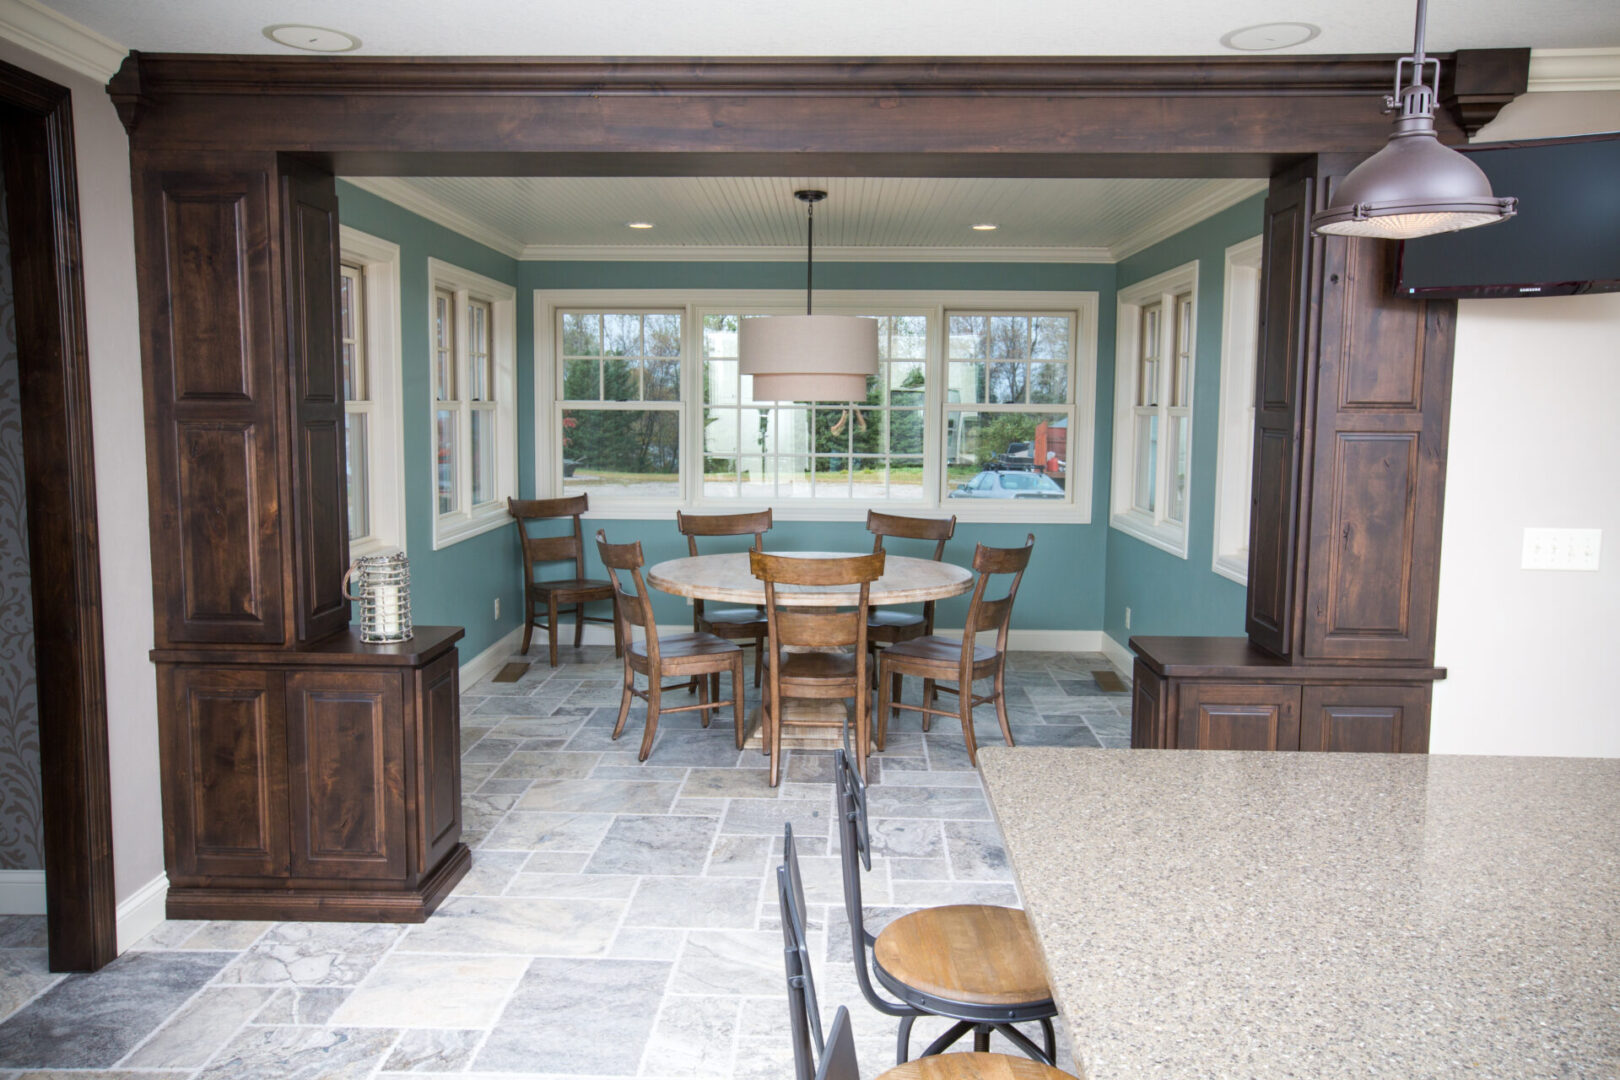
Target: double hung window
(368,328)
(1240,348)
(620,407)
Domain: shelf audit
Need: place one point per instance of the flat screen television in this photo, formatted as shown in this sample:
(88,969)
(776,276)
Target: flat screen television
(1565,239)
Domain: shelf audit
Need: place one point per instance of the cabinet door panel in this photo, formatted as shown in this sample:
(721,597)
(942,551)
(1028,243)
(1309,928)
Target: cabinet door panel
(1238,716)
(346,786)
(439,772)
(1365,719)
(1147,709)
(225,790)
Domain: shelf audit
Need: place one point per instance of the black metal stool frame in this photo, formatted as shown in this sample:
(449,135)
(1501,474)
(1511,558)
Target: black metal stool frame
(981,1020)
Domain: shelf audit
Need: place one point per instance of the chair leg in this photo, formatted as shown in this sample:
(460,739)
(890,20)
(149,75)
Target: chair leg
(895,681)
(981,1040)
(579,624)
(928,700)
(759,659)
(714,686)
(551,627)
(624,701)
(653,680)
(885,683)
(704,699)
(964,703)
(737,696)
(528,621)
(1001,705)
(902,1047)
(863,728)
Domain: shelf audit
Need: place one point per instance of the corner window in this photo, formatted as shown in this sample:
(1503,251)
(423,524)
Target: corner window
(1240,348)
(368,309)
(472,330)
(1153,399)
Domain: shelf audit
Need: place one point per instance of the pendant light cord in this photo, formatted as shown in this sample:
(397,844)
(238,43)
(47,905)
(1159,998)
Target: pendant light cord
(810,257)
(1418,42)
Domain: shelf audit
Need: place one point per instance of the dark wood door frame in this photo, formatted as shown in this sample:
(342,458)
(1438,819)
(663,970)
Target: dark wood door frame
(47,267)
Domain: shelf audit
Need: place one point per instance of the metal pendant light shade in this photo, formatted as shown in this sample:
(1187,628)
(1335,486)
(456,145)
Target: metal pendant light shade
(808,357)
(1414,186)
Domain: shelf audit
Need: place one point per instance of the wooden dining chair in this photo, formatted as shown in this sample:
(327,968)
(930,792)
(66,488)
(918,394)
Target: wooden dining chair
(552,596)
(733,624)
(825,671)
(977,964)
(681,656)
(887,625)
(935,659)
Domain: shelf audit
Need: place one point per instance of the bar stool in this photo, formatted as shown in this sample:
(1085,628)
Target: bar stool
(977,964)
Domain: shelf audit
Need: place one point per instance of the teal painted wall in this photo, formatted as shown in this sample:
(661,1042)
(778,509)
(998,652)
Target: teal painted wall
(1167,594)
(456,585)
(1063,589)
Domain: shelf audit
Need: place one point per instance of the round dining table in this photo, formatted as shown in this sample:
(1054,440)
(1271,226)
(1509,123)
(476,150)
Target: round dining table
(905,580)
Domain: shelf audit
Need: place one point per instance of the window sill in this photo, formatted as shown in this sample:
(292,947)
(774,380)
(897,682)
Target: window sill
(451,529)
(1171,538)
(1234,567)
(1017,511)
(371,545)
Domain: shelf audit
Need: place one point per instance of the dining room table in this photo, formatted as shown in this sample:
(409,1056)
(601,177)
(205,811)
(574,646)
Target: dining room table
(1270,915)
(726,577)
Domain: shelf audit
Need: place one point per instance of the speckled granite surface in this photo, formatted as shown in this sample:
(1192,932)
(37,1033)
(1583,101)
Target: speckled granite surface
(1219,914)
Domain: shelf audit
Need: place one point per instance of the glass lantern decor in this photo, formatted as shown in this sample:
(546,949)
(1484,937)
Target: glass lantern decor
(383,584)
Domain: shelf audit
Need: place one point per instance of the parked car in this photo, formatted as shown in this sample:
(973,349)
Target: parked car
(995,484)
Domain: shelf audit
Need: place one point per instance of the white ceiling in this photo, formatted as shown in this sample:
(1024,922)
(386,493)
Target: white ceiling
(839,27)
(559,217)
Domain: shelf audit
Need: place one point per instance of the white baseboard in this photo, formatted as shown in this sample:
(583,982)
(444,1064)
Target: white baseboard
(141,913)
(493,657)
(22,892)
(1122,658)
(1017,640)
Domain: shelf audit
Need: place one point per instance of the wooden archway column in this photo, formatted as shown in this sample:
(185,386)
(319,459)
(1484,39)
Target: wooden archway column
(236,241)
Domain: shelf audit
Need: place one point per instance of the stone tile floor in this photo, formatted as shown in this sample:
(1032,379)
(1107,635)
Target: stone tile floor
(619,919)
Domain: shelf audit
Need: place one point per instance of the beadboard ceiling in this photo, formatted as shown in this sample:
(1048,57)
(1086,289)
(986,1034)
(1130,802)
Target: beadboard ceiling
(1086,220)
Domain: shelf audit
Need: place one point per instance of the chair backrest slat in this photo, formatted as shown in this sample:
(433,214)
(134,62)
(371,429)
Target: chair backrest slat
(839,1062)
(816,629)
(630,608)
(792,570)
(938,530)
(994,614)
(537,550)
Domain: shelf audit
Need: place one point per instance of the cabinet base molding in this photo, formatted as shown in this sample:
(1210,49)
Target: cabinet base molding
(294,904)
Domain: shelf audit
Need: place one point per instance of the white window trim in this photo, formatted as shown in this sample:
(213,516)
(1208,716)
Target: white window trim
(1154,528)
(1240,348)
(379,263)
(467,521)
(697,302)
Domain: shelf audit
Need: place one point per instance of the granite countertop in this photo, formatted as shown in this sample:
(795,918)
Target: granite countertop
(1233,914)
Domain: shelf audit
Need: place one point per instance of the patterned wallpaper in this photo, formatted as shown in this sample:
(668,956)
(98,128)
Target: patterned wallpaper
(20,834)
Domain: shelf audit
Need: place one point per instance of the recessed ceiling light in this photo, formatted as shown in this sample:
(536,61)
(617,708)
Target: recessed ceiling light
(638,224)
(985,226)
(311,38)
(1267,36)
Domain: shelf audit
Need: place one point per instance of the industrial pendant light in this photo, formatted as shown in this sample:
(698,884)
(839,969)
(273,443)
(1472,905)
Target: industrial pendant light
(1414,186)
(808,357)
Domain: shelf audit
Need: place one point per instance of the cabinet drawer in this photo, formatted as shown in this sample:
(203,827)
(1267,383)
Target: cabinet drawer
(1366,719)
(1237,716)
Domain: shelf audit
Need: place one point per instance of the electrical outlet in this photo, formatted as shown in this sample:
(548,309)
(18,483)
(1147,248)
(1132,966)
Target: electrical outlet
(1561,549)
(497,608)
(1127,618)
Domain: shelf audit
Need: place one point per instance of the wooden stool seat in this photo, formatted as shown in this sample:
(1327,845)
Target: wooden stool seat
(936,651)
(974,1067)
(978,954)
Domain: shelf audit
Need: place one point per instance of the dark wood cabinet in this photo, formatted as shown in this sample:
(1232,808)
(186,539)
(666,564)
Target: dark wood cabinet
(313,784)
(1195,693)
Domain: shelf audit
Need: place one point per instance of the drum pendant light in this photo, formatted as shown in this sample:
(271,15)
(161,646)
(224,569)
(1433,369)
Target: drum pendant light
(808,357)
(1414,186)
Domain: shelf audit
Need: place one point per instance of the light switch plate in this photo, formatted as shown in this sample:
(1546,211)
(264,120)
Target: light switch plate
(1562,549)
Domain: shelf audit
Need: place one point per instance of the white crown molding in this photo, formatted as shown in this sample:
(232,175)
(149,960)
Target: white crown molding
(1189,213)
(715,253)
(403,195)
(58,38)
(1574,69)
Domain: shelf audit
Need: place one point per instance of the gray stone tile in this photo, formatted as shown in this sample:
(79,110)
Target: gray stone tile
(1075,735)
(739,856)
(523,831)
(490,749)
(527,926)
(714,748)
(168,934)
(693,1037)
(433,1051)
(744,783)
(302,1006)
(615,1000)
(921,894)
(492,871)
(201,1028)
(23,932)
(301,1053)
(91,1021)
(730,962)
(892,801)
(574,886)
(483,812)
(494,786)
(312,954)
(976,851)
(414,990)
(694,903)
(24,975)
(226,936)
(600,796)
(536,765)
(759,817)
(638,943)
(672,774)
(641,844)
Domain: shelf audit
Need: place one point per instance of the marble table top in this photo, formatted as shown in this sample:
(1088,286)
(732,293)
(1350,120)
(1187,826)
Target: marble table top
(905,580)
(1269,915)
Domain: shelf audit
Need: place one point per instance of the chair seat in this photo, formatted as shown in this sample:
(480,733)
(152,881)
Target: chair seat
(884,619)
(735,617)
(817,666)
(975,954)
(935,649)
(974,1067)
(675,646)
(581,587)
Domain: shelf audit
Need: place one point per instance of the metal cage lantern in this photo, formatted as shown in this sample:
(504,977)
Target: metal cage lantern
(383,582)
